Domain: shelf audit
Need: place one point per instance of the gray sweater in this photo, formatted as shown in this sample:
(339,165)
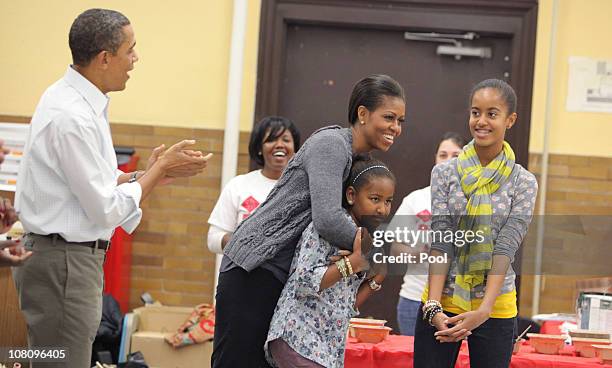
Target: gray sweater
(310,189)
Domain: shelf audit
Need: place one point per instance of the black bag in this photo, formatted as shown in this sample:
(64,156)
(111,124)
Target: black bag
(136,360)
(108,337)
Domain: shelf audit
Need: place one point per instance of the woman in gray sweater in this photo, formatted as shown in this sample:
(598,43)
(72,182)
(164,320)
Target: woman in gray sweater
(257,259)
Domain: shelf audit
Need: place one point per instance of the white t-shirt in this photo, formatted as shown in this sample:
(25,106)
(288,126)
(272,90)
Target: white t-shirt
(415,212)
(240,197)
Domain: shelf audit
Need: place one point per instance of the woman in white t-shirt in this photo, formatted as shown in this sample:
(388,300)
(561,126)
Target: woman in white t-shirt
(273,143)
(415,214)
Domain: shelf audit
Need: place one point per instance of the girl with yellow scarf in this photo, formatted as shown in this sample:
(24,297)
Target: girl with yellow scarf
(483,191)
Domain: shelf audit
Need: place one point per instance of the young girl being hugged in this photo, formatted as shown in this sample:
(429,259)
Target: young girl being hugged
(485,191)
(257,258)
(311,318)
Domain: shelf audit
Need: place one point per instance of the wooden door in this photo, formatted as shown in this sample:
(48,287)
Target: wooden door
(323,63)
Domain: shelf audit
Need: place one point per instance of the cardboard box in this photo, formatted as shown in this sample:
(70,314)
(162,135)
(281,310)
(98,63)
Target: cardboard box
(595,312)
(154,323)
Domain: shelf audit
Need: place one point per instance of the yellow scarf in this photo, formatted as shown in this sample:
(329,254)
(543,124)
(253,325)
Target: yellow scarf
(478,183)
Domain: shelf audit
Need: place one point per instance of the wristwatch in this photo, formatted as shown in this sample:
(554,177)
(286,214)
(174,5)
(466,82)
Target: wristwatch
(133,177)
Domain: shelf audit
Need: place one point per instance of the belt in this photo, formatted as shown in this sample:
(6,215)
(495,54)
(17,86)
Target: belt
(96,244)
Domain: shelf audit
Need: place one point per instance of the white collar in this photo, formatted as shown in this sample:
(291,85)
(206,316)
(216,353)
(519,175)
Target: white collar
(94,97)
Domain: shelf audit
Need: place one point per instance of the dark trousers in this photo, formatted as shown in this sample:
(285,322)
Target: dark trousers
(244,309)
(490,345)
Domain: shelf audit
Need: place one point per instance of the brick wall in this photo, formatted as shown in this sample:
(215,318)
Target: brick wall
(575,247)
(170,258)
(172,262)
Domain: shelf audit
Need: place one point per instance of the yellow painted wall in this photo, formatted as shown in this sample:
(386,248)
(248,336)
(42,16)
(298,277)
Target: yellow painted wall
(582,30)
(180,80)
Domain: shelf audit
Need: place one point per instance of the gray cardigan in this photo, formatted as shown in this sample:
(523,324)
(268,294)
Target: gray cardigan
(310,189)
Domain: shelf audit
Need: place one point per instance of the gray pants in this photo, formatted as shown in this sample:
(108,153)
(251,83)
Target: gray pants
(60,295)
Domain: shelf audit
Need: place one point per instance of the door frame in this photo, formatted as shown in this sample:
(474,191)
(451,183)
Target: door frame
(516,19)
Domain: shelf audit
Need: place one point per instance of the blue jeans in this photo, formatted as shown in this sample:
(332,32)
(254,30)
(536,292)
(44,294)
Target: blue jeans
(407,311)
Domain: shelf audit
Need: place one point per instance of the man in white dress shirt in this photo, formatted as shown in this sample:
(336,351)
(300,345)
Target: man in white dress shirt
(71,196)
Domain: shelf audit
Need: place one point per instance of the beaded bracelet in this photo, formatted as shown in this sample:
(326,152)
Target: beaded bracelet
(432,313)
(430,304)
(347,261)
(428,313)
(341,264)
(430,309)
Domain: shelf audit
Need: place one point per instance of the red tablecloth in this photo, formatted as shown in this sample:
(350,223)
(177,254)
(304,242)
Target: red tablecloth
(394,352)
(551,327)
(397,351)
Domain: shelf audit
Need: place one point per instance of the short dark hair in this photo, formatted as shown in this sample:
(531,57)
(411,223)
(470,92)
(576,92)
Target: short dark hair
(454,137)
(277,126)
(93,31)
(370,92)
(505,90)
(363,170)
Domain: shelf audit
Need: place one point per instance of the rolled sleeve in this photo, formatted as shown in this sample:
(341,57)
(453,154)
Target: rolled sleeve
(118,173)
(133,191)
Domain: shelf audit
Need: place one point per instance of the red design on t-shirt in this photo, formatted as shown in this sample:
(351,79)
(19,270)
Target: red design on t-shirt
(424,215)
(249,204)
